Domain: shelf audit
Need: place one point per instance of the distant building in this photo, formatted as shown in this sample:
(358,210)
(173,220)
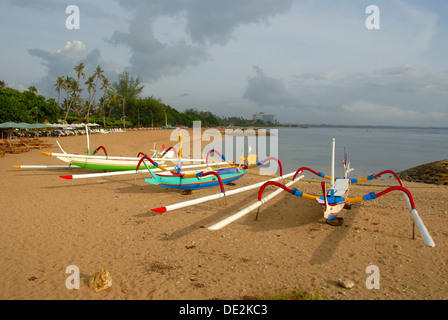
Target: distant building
(264,117)
(269,118)
(258,116)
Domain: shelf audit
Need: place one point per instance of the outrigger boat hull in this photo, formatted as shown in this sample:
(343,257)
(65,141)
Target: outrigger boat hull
(105,163)
(169,180)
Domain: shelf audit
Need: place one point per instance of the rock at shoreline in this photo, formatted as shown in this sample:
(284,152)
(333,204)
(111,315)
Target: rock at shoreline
(432,173)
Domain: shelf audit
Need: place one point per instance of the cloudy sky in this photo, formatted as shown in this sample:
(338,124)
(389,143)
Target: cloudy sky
(305,61)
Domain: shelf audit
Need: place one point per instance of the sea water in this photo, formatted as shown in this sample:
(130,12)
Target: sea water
(369,150)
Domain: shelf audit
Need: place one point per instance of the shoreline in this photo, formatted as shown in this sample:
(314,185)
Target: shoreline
(51,223)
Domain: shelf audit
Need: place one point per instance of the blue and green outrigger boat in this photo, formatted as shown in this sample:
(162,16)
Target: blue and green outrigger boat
(197,180)
(200,178)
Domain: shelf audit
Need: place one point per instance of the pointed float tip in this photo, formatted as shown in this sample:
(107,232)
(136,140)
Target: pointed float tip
(46,153)
(17,167)
(159,210)
(69,177)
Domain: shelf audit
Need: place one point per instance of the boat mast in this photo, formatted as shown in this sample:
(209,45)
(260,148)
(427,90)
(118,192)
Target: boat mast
(332,164)
(88,141)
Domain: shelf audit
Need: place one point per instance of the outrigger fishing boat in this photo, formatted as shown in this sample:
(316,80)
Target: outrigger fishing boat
(106,162)
(199,179)
(336,198)
(103,163)
(203,178)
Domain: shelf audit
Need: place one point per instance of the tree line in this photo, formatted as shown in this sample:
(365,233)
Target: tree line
(94,98)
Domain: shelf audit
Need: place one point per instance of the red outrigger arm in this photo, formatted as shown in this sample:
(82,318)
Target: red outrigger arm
(352,180)
(98,149)
(370,196)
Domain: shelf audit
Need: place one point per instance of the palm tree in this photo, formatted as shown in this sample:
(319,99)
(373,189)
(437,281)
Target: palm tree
(113,99)
(59,85)
(33,89)
(67,88)
(79,69)
(105,87)
(98,74)
(77,104)
(2,84)
(75,90)
(90,87)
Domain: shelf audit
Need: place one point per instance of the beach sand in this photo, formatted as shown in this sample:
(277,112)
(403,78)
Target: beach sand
(48,224)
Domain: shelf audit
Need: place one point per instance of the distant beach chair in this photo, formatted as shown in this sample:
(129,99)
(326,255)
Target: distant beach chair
(35,143)
(9,147)
(28,144)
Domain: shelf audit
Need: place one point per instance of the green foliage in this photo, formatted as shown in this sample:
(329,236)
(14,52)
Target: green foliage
(27,107)
(72,119)
(113,123)
(128,87)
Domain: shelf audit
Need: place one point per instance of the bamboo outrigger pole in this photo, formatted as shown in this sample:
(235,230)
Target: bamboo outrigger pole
(216,196)
(250,208)
(119,173)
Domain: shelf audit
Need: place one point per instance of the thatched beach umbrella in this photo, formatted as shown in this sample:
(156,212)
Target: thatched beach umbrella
(22,125)
(9,126)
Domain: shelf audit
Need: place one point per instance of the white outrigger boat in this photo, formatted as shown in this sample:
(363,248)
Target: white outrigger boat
(333,200)
(102,163)
(106,162)
(336,198)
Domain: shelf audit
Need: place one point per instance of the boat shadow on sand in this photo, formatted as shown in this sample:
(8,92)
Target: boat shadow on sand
(275,216)
(306,217)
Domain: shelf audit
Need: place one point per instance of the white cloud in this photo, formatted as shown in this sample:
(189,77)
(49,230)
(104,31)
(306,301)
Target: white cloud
(75,50)
(75,45)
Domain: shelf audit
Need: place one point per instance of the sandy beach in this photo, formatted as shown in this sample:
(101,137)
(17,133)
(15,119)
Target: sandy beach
(48,224)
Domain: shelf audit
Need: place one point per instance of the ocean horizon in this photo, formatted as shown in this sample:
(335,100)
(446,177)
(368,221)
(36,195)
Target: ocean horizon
(369,149)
